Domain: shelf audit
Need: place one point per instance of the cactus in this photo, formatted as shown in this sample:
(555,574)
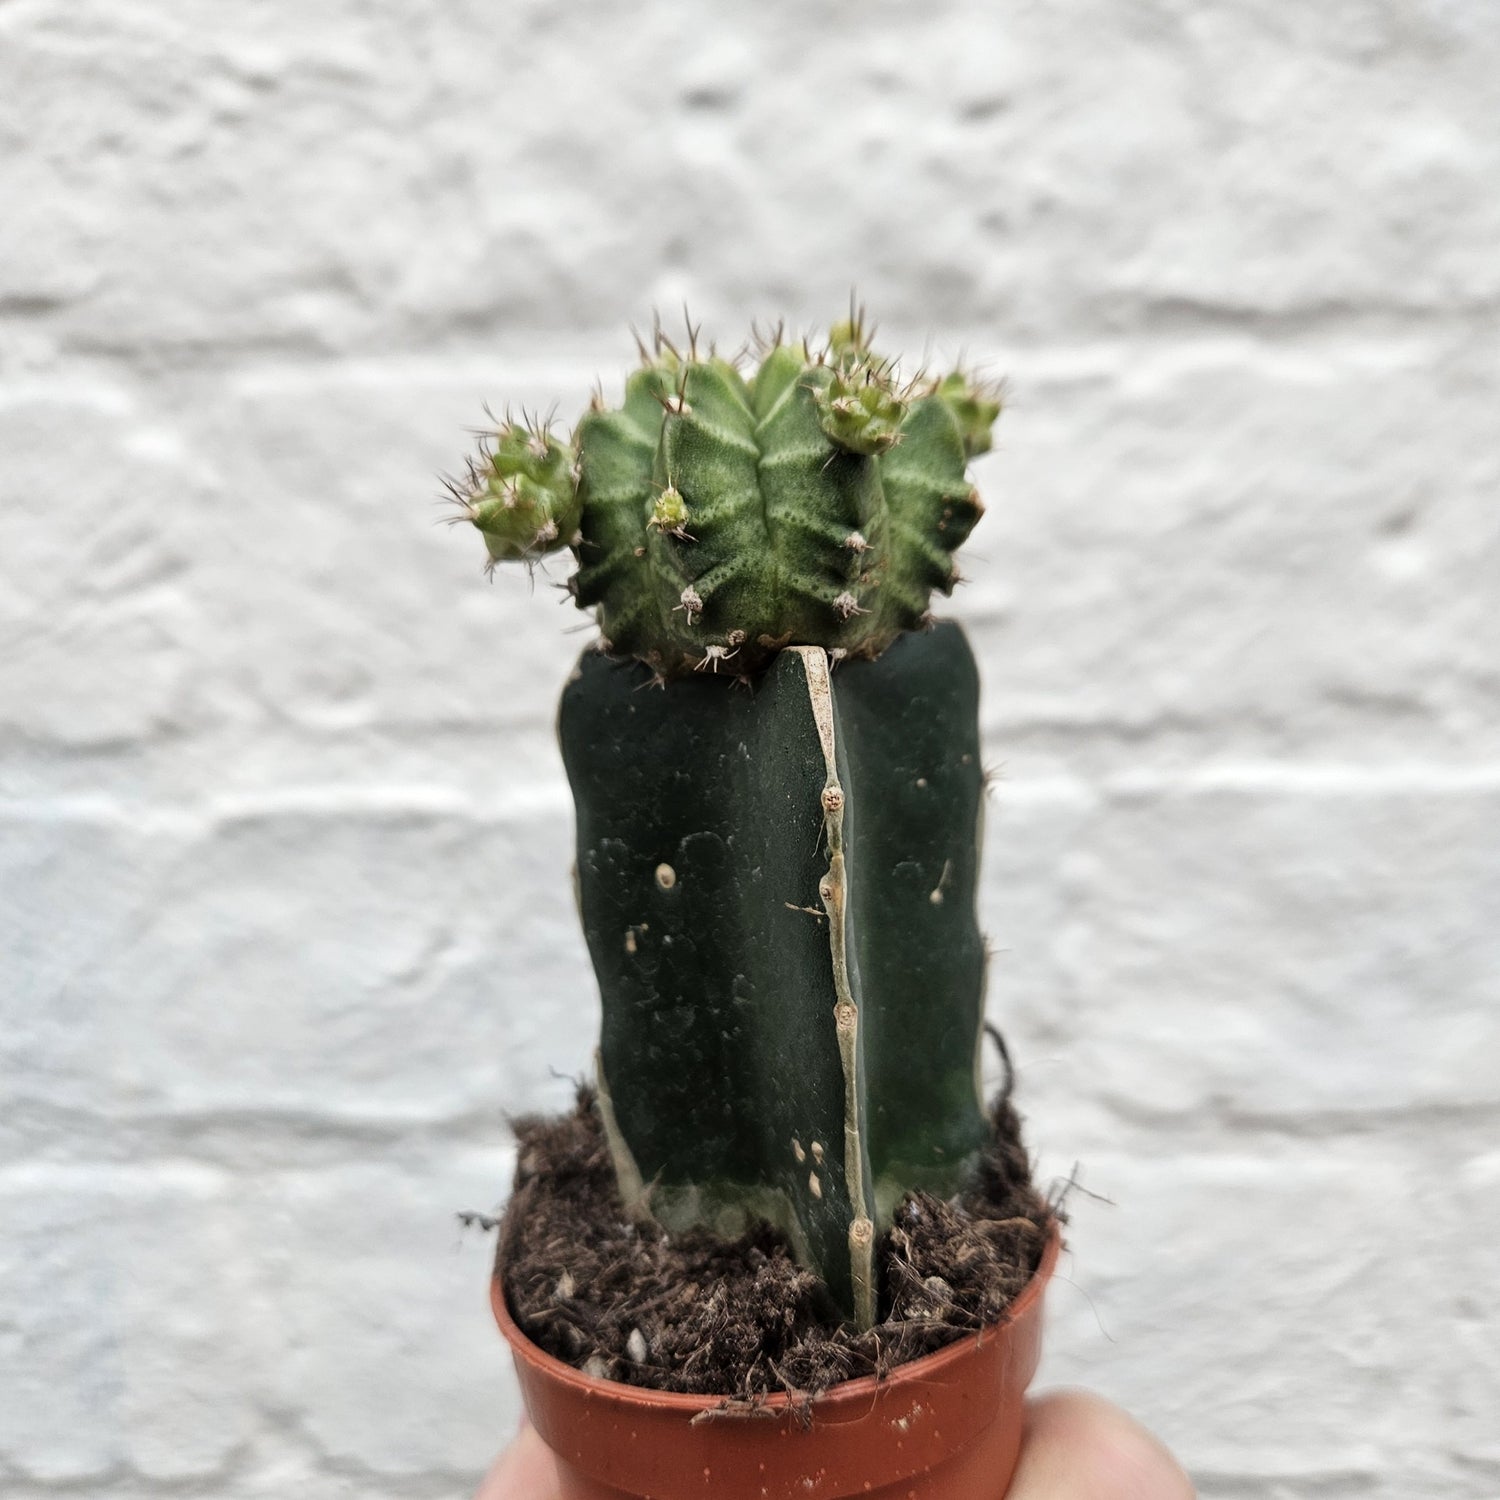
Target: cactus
(776,886)
(717,517)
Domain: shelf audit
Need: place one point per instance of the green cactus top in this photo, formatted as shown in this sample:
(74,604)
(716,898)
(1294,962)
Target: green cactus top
(722,513)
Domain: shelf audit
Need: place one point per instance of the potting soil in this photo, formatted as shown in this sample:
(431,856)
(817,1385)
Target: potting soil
(742,1319)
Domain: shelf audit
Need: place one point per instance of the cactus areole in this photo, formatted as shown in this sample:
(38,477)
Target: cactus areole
(777,886)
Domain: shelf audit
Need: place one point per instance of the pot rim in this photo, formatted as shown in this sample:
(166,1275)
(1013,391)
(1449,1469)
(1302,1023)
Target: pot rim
(634,1395)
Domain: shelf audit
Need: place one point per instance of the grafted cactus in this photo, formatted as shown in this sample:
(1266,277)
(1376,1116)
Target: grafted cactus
(777,886)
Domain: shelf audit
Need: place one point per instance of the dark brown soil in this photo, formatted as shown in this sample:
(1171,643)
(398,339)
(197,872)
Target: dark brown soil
(742,1319)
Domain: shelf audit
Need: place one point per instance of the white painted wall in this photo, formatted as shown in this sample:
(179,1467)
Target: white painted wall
(284,920)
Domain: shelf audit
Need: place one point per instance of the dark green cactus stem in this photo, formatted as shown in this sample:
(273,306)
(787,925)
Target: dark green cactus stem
(777,888)
(719,515)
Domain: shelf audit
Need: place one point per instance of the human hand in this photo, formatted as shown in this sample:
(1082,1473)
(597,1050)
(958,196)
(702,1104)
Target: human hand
(1075,1447)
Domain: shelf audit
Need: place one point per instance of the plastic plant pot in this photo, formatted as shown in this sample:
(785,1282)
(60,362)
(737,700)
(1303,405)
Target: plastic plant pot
(943,1426)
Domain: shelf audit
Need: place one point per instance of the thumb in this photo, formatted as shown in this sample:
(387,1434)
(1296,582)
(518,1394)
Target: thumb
(1079,1447)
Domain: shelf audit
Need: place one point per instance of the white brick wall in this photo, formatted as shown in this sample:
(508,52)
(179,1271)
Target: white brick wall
(283,837)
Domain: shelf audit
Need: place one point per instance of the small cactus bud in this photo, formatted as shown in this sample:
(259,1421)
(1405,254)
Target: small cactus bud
(669,513)
(520,493)
(975,406)
(861,410)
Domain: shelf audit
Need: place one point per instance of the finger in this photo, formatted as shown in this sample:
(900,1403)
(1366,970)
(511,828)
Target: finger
(1079,1447)
(525,1471)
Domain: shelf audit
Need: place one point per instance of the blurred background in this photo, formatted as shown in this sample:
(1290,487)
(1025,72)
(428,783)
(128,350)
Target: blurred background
(285,922)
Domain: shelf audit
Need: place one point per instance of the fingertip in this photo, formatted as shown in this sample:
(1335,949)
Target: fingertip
(1078,1446)
(525,1471)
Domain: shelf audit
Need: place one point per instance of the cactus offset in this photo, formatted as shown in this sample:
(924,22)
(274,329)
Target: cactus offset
(777,887)
(522,494)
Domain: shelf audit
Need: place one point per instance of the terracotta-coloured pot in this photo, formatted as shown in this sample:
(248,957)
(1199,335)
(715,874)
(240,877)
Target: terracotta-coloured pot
(939,1428)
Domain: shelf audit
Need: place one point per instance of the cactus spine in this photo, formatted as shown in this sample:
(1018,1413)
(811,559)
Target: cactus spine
(776,886)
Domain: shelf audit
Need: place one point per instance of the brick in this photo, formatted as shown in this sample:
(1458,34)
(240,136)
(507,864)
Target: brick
(333,191)
(1256,1310)
(76,890)
(371,964)
(1466,1332)
(1246,557)
(1118,167)
(1253,952)
(1236,161)
(129,1345)
(387,1356)
(335,600)
(93,625)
